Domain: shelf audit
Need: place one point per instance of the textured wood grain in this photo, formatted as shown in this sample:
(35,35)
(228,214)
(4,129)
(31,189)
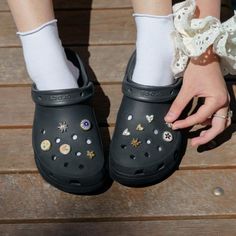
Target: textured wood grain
(78,4)
(186,194)
(106,64)
(207,227)
(17,154)
(19,108)
(81,27)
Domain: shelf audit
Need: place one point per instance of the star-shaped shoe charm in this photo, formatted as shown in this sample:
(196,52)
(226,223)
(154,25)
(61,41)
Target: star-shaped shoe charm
(62,127)
(135,142)
(91,154)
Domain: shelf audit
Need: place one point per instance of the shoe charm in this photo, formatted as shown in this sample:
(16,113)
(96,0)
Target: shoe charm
(167,136)
(62,127)
(126,132)
(135,142)
(90,154)
(85,125)
(149,118)
(139,127)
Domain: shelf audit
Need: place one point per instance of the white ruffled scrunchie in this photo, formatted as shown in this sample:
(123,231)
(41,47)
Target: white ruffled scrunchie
(193,37)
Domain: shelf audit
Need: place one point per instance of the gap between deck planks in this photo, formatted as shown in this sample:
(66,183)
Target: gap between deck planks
(81,4)
(95,28)
(185,195)
(131,228)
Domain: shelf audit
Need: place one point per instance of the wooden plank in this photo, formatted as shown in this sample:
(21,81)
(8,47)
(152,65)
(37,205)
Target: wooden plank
(90,27)
(19,108)
(209,227)
(185,195)
(17,155)
(106,63)
(81,4)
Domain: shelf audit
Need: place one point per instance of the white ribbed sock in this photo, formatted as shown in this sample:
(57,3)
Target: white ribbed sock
(154,50)
(45,58)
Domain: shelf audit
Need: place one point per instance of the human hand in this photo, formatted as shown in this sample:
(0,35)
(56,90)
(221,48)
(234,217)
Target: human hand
(202,78)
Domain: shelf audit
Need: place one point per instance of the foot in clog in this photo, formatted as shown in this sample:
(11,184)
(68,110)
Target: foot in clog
(66,139)
(144,149)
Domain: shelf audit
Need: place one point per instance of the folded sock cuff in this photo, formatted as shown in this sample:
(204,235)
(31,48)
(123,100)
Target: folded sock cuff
(37,29)
(170,16)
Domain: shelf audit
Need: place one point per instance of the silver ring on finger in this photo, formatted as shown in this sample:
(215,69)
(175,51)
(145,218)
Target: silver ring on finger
(226,117)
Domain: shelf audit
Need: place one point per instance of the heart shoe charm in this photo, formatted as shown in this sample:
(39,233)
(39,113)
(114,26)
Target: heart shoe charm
(126,132)
(149,118)
(139,127)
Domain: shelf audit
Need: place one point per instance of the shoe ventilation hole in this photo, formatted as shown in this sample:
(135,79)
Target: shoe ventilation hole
(171,92)
(43,131)
(159,148)
(129,90)
(57,140)
(139,172)
(82,94)
(66,164)
(123,146)
(39,98)
(54,158)
(146,154)
(176,155)
(133,157)
(81,166)
(161,167)
(75,182)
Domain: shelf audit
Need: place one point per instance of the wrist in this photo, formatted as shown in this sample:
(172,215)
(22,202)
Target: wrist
(206,58)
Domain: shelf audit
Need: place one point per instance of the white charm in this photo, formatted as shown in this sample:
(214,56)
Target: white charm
(149,118)
(130,117)
(169,125)
(126,132)
(63,127)
(167,136)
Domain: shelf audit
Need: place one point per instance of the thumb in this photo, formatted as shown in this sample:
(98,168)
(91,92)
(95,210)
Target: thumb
(178,105)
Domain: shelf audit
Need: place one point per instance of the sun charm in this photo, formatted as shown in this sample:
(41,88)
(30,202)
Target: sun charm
(135,142)
(62,127)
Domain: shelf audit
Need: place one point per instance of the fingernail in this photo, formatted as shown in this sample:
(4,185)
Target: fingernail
(169,117)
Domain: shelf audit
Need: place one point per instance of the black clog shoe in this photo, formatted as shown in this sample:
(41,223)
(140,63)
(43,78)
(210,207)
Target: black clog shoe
(66,137)
(144,149)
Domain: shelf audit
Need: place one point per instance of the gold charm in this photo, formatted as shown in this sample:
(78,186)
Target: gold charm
(139,127)
(91,154)
(149,118)
(45,145)
(65,149)
(135,142)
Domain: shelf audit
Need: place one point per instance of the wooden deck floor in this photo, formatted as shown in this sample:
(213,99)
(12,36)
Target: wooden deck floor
(182,205)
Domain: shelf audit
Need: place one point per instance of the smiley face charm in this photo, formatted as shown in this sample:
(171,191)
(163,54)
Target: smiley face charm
(45,145)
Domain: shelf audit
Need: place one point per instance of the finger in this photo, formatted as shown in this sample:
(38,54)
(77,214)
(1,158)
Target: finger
(204,112)
(206,122)
(218,126)
(180,102)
